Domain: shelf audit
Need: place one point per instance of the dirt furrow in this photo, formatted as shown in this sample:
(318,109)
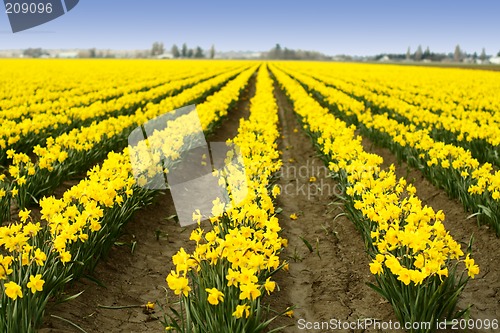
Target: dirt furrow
(329,282)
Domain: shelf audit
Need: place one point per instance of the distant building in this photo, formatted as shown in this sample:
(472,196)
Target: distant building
(495,60)
(10,53)
(67,55)
(165,56)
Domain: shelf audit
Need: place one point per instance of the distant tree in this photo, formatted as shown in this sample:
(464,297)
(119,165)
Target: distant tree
(288,54)
(190,53)
(498,54)
(457,55)
(175,51)
(137,54)
(427,53)
(278,51)
(212,51)
(474,56)
(154,49)
(198,53)
(437,56)
(272,53)
(184,51)
(109,54)
(408,53)
(483,55)
(89,53)
(418,53)
(33,53)
(157,49)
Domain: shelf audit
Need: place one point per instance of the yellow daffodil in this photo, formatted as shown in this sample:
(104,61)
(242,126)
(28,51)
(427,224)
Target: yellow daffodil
(13,290)
(36,283)
(214,296)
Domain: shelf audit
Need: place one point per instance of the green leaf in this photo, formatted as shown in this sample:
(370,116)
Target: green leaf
(95,280)
(69,322)
(309,246)
(69,298)
(378,290)
(168,218)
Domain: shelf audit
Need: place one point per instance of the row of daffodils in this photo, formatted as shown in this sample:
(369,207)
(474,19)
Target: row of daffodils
(447,91)
(39,258)
(222,282)
(75,151)
(32,86)
(477,131)
(25,133)
(419,268)
(448,166)
(64,125)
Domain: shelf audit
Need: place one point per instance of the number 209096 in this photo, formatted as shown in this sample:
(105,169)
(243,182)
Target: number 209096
(28,8)
(462,324)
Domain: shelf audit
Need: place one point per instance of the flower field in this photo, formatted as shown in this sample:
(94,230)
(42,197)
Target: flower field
(363,192)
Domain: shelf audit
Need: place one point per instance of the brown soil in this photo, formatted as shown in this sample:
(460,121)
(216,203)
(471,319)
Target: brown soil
(483,292)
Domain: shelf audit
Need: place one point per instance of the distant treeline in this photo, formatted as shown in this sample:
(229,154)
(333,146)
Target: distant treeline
(458,55)
(275,53)
(278,52)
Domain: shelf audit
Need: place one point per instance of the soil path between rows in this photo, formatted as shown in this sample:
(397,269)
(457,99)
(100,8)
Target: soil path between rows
(329,283)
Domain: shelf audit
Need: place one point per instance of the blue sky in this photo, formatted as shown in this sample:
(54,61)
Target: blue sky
(357,27)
